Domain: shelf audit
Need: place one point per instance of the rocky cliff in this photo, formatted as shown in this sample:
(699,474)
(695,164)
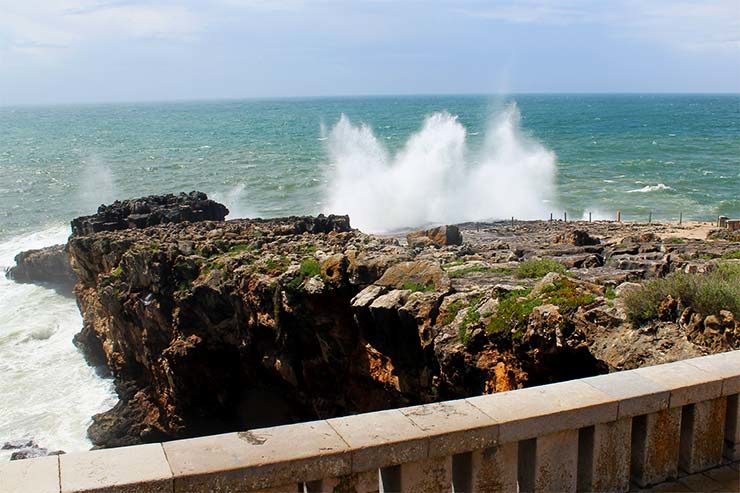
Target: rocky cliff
(215,326)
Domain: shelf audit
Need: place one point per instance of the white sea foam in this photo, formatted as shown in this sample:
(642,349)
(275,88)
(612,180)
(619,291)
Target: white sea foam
(650,188)
(48,391)
(435,178)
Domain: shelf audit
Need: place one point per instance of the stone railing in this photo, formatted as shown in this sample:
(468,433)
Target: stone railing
(594,434)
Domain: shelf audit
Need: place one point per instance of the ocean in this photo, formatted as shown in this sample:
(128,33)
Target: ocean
(388,162)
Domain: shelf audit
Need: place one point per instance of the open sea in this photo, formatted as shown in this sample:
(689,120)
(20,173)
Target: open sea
(389,162)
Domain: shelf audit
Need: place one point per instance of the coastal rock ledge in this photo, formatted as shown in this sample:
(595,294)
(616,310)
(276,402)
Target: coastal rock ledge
(209,326)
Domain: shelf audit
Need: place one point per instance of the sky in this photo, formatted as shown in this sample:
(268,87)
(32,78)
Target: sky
(55,51)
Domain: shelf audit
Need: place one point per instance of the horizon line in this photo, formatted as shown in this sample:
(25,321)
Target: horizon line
(354,96)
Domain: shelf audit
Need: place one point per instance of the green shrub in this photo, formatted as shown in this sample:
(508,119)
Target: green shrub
(533,269)
(704,293)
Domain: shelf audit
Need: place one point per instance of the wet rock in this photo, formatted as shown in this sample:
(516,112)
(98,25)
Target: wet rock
(19,444)
(46,266)
(28,449)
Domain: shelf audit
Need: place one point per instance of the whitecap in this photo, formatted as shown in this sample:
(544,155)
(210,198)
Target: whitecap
(651,188)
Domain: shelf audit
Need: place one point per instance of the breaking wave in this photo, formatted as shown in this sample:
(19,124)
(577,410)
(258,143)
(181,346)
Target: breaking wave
(435,178)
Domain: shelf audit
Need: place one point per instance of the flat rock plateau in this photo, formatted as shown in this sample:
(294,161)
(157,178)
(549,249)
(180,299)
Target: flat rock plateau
(210,326)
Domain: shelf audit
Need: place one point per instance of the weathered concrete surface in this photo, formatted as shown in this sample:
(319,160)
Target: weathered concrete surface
(453,427)
(140,470)
(494,470)
(257,459)
(732,428)
(687,383)
(655,447)
(40,475)
(636,394)
(428,476)
(702,435)
(725,479)
(535,411)
(556,462)
(604,457)
(382,439)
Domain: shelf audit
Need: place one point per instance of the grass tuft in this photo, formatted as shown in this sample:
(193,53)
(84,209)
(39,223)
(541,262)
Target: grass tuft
(533,269)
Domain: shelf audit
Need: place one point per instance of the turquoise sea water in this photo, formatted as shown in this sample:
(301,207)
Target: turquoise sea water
(635,153)
(418,160)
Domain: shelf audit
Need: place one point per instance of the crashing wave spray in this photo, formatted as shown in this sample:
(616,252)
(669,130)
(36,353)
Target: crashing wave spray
(435,178)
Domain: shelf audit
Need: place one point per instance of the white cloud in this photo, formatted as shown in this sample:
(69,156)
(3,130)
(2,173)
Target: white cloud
(38,26)
(686,25)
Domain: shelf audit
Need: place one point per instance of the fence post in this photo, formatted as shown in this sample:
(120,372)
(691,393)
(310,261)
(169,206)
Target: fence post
(619,216)
(565,216)
(589,217)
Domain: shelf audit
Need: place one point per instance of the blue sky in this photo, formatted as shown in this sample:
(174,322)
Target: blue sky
(97,50)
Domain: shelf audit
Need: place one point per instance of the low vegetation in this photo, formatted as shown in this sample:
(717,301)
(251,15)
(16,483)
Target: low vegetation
(455,274)
(309,268)
(532,269)
(704,293)
(515,308)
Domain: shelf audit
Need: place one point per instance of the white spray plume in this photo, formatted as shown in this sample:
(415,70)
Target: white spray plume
(233,199)
(96,185)
(435,179)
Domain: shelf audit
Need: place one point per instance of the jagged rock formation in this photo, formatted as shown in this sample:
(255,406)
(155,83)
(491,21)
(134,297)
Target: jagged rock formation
(215,326)
(27,449)
(48,266)
(150,211)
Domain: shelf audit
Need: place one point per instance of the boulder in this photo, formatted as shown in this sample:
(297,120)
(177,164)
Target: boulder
(416,275)
(440,236)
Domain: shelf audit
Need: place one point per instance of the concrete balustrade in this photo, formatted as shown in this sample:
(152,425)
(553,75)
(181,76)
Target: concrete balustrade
(605,433)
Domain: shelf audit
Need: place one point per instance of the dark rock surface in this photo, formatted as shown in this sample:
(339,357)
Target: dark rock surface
(150,211)
(46,266)
(28,449)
